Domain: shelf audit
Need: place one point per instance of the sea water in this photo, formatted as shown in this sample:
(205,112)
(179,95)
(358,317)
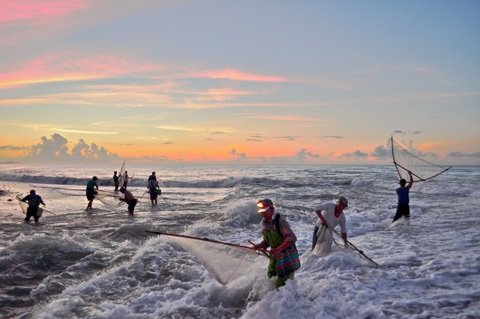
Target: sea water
(102,263)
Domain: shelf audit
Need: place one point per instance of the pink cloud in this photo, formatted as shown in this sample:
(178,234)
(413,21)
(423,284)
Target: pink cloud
(220,95)
(14,10)
(286,118)
(225,91)
(237,75)
(65,67)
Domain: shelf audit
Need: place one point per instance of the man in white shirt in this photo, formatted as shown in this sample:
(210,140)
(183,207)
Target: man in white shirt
(329,215)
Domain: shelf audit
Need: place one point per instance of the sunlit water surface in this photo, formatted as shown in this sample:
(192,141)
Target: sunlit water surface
(102,264)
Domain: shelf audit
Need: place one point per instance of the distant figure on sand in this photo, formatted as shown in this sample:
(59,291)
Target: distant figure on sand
(125,179)
(116,181)
(152,177)
(91,191)
(330,215)
(403,207)
(34,202)
(154,190)
(277,235)
(129,199)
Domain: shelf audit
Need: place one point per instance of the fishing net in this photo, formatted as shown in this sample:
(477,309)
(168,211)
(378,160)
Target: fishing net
(224,262)
(109,199)
(410,160)
(23,205)
(323,246)
(121,177)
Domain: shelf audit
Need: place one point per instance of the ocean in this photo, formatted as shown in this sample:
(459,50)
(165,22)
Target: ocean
(103,264)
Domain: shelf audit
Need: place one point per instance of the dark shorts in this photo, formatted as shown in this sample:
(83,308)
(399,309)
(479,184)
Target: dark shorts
(131,205)
(90,196)
(153,195)
(32,212)
(402,211)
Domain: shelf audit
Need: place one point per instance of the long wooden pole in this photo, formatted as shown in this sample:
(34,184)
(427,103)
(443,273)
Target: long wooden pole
(354,247)
(202,239)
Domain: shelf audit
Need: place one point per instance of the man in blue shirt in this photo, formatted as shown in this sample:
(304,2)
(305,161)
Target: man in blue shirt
(403,208)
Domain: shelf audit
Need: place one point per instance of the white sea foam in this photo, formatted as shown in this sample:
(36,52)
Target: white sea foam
(102,264)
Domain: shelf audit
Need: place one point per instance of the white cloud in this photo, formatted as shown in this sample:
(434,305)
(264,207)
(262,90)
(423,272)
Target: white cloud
(56,149)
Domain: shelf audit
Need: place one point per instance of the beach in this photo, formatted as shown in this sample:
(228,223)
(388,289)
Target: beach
(103,264)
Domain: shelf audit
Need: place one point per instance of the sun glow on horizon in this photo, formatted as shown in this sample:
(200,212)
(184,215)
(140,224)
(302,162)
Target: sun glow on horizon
(178,81)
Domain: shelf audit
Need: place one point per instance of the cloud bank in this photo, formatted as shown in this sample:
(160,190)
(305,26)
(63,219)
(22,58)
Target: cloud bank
(56,149)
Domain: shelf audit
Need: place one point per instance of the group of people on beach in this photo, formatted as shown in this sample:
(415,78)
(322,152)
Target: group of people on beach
(91,192)
(278,238)
(153,188)
(125,179)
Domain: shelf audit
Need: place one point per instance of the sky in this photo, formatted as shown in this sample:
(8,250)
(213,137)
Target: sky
(317,82)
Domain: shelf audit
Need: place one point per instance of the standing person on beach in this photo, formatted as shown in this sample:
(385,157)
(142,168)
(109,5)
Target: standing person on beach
(129,199)
(91,191)
(152,177)
(34,202)
(154,190)
(403,194)
(116,181)
(329,215)
(278,235)
(125,179)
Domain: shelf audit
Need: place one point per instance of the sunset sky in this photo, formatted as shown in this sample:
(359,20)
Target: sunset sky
(229,81)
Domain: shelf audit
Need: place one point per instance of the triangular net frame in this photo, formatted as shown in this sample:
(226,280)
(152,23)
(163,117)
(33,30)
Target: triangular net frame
(120,175)
(421,169)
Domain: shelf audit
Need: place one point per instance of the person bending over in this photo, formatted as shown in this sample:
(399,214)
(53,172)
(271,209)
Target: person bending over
(129,199)
(330,215)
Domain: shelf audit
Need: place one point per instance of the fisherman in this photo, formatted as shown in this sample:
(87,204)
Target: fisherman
(34,202)
(329,215)
(125,179)
(403,207)
(116,181)
(91,191)
(129,199)
(154,190)
(152,177)
(277,235)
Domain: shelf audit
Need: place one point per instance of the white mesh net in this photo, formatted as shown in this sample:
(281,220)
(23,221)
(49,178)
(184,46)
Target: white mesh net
(410,160)
(224,262)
